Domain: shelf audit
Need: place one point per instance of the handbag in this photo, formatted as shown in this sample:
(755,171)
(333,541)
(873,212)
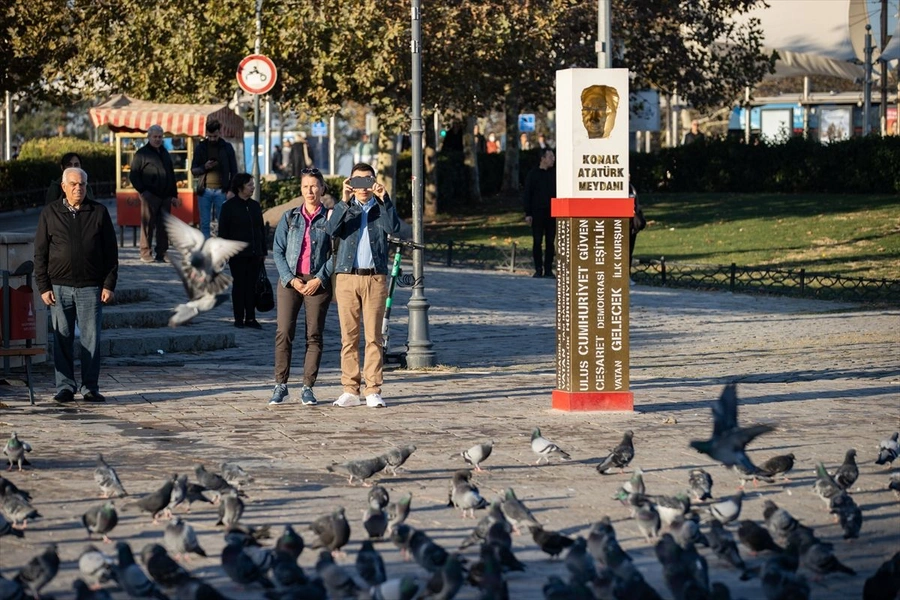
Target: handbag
(638,223)
(265,296)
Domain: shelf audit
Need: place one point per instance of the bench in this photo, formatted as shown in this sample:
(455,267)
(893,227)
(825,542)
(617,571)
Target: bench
(27,353)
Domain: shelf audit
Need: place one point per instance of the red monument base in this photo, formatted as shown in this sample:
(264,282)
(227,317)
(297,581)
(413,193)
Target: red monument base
(612,401)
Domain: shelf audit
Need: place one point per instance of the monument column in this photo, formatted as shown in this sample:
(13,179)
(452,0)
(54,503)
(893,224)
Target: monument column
(593,212)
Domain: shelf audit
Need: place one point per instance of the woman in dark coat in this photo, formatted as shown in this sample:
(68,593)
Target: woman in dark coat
(241,219)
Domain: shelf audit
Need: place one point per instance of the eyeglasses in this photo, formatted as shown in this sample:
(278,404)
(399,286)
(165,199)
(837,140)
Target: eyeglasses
(310,172)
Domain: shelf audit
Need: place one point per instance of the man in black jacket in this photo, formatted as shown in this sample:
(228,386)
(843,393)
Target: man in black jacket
(214,162)
(540,187)
(76,264)
(153,176)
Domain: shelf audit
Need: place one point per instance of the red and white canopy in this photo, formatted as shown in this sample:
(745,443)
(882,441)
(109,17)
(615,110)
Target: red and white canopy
(122,113)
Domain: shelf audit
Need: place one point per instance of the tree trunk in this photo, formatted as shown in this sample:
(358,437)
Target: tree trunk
(470,158)
(431,174)
(387,153)
(512,103)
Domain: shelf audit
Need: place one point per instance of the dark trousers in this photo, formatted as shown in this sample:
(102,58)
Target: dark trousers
(288,306)
(152,222)
(543,231)
(244,271)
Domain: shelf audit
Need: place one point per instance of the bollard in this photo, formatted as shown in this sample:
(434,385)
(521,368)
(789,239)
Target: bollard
(512,264)
(450,253)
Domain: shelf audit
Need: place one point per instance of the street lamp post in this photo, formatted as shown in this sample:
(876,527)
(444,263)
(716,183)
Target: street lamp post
(419,347)
(256,48)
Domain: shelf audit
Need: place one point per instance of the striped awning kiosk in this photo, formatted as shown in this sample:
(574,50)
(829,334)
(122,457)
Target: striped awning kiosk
(122,113)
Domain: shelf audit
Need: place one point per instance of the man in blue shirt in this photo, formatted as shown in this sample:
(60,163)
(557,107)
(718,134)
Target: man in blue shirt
(361,223)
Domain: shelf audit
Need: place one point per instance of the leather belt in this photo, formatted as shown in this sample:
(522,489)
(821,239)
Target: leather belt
(362,272)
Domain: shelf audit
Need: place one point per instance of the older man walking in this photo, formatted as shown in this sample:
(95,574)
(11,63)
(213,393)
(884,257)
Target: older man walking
(76,264)
(153,176)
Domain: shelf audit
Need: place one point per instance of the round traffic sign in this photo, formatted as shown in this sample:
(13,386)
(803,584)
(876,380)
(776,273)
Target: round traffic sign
(256,74)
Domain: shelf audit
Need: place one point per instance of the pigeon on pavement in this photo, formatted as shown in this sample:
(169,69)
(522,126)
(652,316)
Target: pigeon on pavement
(550,542)
(246,563)
(16,508)
(396,457)
(620,456)
(579,563)
(407,587)
(200,268)
(671,507)
(464,494)
(477,454)
(108,480)
(96,568)
(635,485)
(181,539)
(162,568)
(6,528)
(15,451)
(338,582)
(155,502)
(370,565)
(132,578)
(722,543)
(847,473)
(235,475)
(727,510)
(286,573)
(885,583)
(778,465)
(379,497)
(231,508)
(645,514)
(6,484)
(212,481)
(100,519)
(849,515)
(39,571)
(780,579)
(479,533)
(360,469)
(516,512)
(290,542)
(754,474)
(701,484)
(728,440)
(825,486)
(426,552)
(375,522)
(888,450)
(399,510)
(894,484)
(756,538)
(544,448)
(332,531)
(779,522)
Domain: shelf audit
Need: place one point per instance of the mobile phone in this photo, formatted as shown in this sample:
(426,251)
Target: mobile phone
(362,182)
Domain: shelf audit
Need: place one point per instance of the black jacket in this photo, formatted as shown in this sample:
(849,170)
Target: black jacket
(152,171)
(77,250)
(227,163)
(242,220)
(540,187)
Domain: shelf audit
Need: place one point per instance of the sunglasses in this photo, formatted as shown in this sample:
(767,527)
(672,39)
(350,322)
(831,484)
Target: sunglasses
(310,172)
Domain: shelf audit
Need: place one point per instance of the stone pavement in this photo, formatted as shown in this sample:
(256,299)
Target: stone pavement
(827,375)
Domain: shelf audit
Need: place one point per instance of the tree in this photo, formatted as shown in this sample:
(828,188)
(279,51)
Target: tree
(33,34)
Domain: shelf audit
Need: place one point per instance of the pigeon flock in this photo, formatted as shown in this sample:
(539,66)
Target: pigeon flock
(694,535)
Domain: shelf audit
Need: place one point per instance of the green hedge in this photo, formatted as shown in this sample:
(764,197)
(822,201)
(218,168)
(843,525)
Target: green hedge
(867,165)
(24,181)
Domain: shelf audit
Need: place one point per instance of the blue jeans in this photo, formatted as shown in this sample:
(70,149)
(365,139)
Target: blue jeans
(207,200)
(81,304)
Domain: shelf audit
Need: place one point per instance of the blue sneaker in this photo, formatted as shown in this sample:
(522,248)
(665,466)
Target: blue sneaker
(307,397)
(279,394)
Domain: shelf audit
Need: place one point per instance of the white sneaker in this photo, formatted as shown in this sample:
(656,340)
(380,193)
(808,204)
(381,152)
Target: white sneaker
(347,400)
(375,401)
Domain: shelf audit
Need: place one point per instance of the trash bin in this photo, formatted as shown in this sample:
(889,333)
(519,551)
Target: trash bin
(27,318)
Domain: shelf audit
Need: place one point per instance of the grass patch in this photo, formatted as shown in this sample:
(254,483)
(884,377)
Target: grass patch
(850,235)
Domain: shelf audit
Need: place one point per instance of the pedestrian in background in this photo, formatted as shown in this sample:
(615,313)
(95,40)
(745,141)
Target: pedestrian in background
(524,144)
(76,265)
(153,176)
(540,187)
(215,164)
(241,219)
(302,252)
(493,146)
(479,141)
(301,156)
(361,222)
(694,135)
(70,160)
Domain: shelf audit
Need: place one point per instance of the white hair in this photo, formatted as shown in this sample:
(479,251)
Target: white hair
(155,129)
(74,170)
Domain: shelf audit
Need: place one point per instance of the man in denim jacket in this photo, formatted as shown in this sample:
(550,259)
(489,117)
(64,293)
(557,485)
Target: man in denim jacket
(361,223)
(302,251)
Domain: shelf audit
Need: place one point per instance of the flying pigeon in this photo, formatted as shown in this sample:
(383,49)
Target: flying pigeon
(477,454)
(544,448)
(108,480)
(620,456)
(15,451)
(728,440)
(360,469)
(181,539)
(200,268)
(100,519)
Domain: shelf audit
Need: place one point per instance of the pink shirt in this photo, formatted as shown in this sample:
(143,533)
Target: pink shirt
(303,265)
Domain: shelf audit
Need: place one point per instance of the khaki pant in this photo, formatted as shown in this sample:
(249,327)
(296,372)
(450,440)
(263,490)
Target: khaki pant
(361,296)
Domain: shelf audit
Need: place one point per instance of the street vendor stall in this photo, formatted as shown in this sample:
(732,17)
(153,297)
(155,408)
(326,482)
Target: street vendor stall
(129,120)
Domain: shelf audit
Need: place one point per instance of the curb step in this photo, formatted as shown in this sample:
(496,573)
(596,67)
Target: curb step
(131,295)
(136,318)
(127,343)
